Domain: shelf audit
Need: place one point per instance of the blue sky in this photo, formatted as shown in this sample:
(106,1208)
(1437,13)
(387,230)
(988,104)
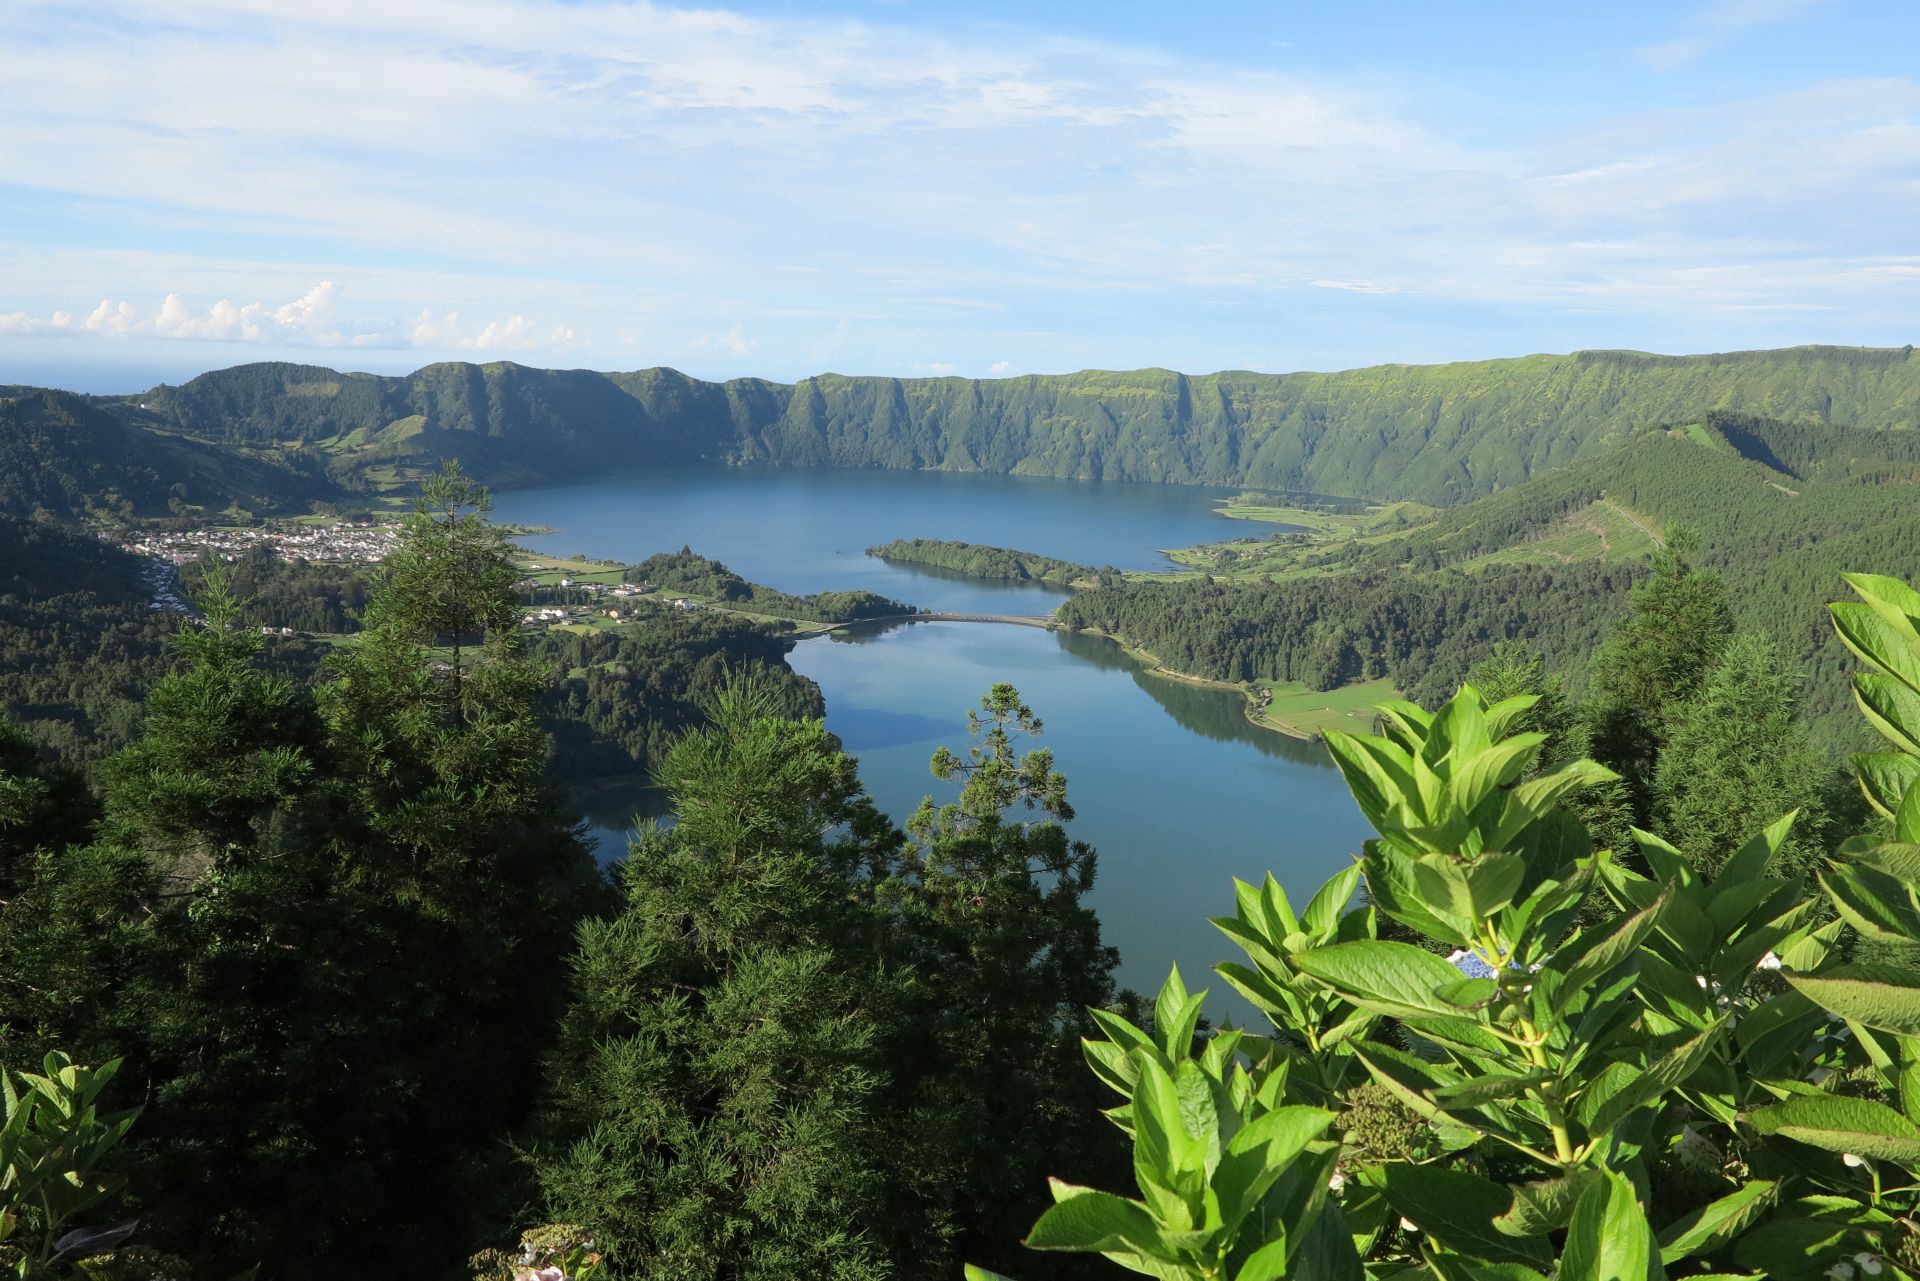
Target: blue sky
(981,189)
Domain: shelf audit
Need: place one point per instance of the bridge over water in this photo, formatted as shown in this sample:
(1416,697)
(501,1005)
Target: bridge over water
(1017,620)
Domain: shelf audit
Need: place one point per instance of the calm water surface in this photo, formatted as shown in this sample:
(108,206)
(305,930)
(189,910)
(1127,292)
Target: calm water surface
(1173,786)
(808,531)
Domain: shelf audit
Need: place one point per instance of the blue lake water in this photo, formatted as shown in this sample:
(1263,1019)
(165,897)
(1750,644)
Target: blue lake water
(808,531)
(1172,785)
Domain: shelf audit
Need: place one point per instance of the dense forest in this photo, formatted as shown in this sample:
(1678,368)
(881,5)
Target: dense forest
(687,571)
(319,971)
(365,990)
(622,698)
(1425,632)
(65,457)
(976,561)
(1547,561)
(1442,434)
(80,643)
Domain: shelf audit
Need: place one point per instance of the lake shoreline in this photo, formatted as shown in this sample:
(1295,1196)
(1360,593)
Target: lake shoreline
(1251,708)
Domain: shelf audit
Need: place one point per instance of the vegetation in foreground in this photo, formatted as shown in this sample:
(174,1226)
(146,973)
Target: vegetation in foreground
(372,991)
(352,958)
(1713,1077)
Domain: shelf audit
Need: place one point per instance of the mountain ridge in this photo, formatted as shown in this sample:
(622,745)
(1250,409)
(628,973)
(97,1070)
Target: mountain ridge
(1441,433)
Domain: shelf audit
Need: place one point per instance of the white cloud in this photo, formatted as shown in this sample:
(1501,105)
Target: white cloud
(941,367)
(20,323)
(1114,203)
(512,334)
(429,330)
(1000,367)
(311,320)
(734,342)
(112,318)
(1356,286)
(1716,24)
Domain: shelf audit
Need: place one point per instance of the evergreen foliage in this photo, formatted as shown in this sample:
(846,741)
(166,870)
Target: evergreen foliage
(1008,969)
(805,1044)
(307,596)
(306,925)
(347,941)
(621,697)
(1336,608)
(66,457)
(714,1080)
(686,571)
(976,561)
(79,645)
(1649,667)
(1423,632)
(1736,753)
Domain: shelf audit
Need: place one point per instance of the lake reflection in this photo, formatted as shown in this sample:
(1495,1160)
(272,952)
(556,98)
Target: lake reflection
(1172,785)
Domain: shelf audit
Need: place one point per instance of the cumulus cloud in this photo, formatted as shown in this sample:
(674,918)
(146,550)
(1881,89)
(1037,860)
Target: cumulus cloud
(941,367)
(1000,367)
(20,323)
(313,319)
(310,320)
(511,334)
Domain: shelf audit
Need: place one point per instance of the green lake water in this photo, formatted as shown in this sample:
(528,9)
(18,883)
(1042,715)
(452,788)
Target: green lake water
(1177,791)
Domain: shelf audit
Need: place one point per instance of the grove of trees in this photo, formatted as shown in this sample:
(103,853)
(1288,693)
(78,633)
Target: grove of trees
(318,976)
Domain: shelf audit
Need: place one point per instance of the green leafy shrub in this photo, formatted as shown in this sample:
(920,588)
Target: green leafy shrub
(52,1146)
(1698,1081)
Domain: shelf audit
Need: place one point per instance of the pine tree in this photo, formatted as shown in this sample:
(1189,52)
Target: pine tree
(1513,670)
(441,815)
(223,745)
(1006,959)
(347,923)
(70,913)
(1650,666)
(715,1081)
(189,935)
(42,805)
(1737,755)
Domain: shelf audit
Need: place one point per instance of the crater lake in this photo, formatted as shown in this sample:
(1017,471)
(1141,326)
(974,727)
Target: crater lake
(1172,784)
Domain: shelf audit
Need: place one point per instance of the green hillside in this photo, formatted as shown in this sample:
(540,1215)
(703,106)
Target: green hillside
(1546,562)
(1441,433)
(79,644)
(973,560)
(64,456)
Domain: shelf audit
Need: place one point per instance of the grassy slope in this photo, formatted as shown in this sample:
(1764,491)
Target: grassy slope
(1779,540)
(65,456)
(1295,709)
(1441,433)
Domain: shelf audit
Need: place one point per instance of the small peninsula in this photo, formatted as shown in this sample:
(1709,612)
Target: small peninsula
(1000,563)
